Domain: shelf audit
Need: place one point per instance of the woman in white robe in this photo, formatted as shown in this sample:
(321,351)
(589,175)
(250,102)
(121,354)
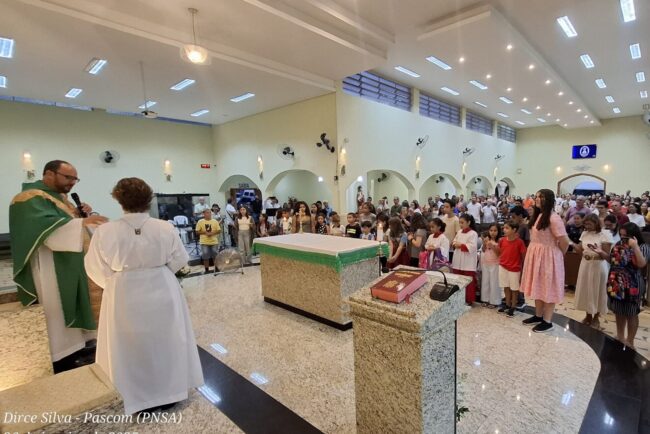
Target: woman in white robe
(145,341)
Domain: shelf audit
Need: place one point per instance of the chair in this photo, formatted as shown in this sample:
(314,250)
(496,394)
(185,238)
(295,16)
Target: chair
(181,220)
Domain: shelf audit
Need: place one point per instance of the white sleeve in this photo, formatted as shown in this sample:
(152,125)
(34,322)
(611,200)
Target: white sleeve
(97,268)
(177,257)
(429,242)
(67,238)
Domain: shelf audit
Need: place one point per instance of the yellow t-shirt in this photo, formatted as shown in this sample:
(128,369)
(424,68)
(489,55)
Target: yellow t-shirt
(208,226)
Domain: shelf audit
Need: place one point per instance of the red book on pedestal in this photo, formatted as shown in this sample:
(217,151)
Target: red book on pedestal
(398,285)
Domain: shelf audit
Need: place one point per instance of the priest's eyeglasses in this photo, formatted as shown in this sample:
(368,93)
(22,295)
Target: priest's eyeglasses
(69,177)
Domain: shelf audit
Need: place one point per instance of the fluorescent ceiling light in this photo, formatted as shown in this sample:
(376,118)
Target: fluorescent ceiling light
(542,120)
(635,51)
(616,110)
(567,27)
(183,84)
(242,97)
(480,103)
(586,60)
(149,104)
(407,71)
(439,63)
(200,112)
(643,94)
(627,8)
(478,84)
(451,91)
(640,77)
(520,122)
(609,99)
(601,83)
(526,111)
(6,48)
(95,65)
(506,100)
(73,93)
(3,81)
(503,115)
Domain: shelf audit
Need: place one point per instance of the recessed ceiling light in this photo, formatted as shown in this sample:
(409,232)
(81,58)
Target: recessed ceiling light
(488,76)
(643,94)
(3,81)
(503,115)
(566,125)
(616,110)
(95,65)
(531,66)
(149,104)
(451,91)
(586,60)
(509,47)
(439,63)
(200,113)
(627,8)
(635,51)
(6,48)
(241,98)
(538,107)
(640,77)
(570,102)
(547,82)
(601,83)
(526,111)
(407,71)
(461,60)
(542,120)
(73,93)
(524,99)
(506,100)
(478,84)
(557,119)
(567,26)
(591,121)
(586,116)
(183,84)
(560,93)
(509,89)
(520,122)
(579,111)
(548,114)
(609,99)
(480,103)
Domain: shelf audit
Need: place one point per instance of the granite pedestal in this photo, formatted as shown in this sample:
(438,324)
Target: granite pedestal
(405,360)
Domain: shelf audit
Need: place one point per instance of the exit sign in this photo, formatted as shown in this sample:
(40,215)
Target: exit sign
(205,166)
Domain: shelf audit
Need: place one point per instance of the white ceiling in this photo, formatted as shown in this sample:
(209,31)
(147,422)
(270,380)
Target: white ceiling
(291,50)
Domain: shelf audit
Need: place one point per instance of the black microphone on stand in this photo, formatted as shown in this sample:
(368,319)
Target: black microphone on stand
(75,197)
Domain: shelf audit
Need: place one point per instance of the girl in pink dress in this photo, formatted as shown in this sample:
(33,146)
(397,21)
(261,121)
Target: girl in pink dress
(543,273)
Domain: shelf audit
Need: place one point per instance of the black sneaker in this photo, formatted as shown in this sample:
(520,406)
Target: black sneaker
(207,271)
(502,309)
(510,313)
(532,320)
(543,327)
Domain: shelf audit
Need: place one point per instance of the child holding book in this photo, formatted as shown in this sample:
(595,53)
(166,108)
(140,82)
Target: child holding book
(511,251)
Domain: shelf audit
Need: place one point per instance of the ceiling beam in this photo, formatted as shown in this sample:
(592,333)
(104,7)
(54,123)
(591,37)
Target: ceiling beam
(353,19)
(301,19)
(456,20)
(178,39)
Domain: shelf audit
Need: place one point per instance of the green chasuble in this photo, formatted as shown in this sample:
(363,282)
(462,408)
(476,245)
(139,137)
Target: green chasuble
(33,215)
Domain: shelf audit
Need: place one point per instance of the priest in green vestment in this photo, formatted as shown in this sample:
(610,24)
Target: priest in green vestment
(47,240)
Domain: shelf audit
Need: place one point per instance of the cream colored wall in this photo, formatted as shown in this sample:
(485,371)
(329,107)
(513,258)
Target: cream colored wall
(622,144)
(239,143)
(303,185)
(79,137)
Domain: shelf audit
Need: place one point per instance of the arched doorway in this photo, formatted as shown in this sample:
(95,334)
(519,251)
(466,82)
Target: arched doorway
(377,184)
(301,184)
(479,185)
(439,184)
(504,187)
(581,183)
(239,188)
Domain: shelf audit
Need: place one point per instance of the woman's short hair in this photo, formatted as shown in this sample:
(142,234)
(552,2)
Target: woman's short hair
(133,194)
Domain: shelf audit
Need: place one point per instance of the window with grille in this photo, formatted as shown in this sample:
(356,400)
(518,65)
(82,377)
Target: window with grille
(478,123)
(439,110)
(379,89)
(507,133)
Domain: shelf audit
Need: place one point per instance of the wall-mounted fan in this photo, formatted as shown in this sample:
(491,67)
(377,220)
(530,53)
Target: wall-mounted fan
(468,151)
(109,157)
(383,177)
(439,179)
(499,157)
(421,142)
(286,152)
(324,141)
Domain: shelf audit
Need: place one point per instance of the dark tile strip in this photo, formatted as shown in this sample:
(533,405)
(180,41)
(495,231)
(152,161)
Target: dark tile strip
(342,327)
(250,408)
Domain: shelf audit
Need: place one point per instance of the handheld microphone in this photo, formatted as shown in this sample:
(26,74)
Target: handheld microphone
(77,202)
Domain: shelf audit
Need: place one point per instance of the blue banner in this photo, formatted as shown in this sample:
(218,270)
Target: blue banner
(584,151)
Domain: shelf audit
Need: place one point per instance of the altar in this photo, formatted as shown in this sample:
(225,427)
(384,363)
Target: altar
(314,275)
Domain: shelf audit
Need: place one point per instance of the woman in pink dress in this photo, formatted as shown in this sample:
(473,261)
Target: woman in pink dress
(543,274)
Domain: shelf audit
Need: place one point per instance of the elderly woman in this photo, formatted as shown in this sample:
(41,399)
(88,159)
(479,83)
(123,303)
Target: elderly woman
(145,342)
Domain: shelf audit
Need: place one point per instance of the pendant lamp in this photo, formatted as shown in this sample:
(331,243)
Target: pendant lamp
(193,52)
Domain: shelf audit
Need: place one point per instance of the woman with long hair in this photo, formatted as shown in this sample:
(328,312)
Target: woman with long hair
(246,231)
(543,273)
(397,243)
(303,221)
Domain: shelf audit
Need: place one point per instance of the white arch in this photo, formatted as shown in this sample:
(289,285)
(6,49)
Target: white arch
(309,193)
(446,184)
(482,187)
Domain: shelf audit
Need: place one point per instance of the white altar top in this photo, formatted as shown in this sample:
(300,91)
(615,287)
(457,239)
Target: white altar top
(317,243)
